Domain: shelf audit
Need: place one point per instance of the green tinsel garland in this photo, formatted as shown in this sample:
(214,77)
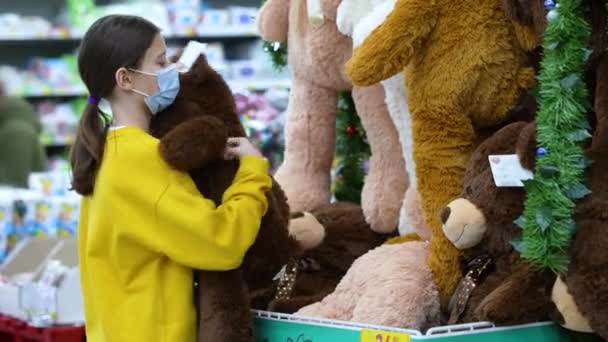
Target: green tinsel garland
(278,54)
(352,151)
(562,127)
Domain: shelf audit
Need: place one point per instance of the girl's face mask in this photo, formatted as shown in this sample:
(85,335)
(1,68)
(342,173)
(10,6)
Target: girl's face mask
(168,88)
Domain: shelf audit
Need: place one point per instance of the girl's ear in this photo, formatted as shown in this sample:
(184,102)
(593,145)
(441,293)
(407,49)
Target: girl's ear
(123,79)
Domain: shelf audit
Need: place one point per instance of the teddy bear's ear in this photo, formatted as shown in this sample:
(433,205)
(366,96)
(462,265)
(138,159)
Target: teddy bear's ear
(527,13)
(200,67)
(526,147)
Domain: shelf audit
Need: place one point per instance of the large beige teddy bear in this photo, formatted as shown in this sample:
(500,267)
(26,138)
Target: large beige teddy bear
(317,57)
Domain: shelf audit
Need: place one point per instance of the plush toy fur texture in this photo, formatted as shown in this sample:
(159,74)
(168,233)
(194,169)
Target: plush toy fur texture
(465,68)
(358,18)
(513,292)
(586,280)
(391,285)
(579,294)
(193,133)
(317,55)
(345,237)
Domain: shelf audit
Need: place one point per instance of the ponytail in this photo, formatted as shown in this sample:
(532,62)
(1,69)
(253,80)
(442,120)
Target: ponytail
(86,154)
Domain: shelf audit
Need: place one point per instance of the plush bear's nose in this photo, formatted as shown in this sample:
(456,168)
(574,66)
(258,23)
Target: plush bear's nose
(444,214)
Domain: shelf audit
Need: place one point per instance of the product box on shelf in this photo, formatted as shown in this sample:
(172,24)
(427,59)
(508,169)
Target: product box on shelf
(243,16)
(215,18)
(26,261)
(245,69)
(184,16)
(49,183)
(53,296)
(279,327)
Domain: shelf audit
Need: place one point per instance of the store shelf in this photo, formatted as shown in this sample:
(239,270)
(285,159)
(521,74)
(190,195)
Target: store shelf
(205,34)
(256,84)
(56,143)
(260,84)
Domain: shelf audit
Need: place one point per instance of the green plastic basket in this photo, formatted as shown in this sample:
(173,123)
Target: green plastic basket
(274,327)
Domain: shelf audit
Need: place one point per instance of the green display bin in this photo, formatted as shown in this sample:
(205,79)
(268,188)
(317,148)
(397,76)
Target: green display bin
(274,327)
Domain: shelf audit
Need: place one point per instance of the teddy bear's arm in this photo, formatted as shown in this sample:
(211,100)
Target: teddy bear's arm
(390,47)
(273,20)
(525,296)
(194,143)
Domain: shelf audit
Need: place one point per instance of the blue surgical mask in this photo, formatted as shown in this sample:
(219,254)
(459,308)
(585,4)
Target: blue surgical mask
(168,87)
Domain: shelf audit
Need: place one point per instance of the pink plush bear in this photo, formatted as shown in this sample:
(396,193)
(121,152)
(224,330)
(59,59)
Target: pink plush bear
(391,285)
(317,56)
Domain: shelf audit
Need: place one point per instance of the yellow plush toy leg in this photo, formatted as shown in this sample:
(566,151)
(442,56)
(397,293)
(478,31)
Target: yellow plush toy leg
(443,141)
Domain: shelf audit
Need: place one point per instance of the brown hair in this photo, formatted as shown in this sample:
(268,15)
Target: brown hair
(112,42)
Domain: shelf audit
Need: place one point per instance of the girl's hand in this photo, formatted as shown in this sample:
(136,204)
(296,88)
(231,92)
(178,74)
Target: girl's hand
(239,148)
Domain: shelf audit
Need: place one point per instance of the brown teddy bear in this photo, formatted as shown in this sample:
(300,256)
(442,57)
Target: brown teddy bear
(501,287)
(334,236)
(581,292)
(194,132)
(498,285)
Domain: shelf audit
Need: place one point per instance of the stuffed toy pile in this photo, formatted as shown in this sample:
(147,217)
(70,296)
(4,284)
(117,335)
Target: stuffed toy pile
(193,133)
(332,238)
(391,285)
(503,295)
(507,289)
(465,68)
(317,54)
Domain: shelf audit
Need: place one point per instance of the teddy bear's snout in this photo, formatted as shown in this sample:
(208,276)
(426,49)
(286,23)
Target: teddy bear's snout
(463,223)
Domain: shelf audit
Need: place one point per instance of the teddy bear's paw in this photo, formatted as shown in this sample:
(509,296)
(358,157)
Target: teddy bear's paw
(304,191)
(307,230)
(411,218)
(194,143)
(488,311)
(492,309)
(381,199)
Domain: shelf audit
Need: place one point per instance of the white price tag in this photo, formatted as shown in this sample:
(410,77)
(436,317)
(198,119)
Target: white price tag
(191,53)
(507,170)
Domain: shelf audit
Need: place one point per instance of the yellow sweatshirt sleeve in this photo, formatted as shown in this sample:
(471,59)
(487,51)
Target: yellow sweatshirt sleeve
(192,231)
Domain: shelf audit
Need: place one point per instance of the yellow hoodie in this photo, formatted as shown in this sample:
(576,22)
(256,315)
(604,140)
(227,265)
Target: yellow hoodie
(143,231)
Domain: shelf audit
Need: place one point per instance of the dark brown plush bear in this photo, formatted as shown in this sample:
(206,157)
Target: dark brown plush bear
(333,237)
(581,294)
(194,132)
(481,222)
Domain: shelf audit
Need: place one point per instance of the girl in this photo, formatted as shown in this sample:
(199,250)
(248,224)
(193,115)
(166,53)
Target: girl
(144,226)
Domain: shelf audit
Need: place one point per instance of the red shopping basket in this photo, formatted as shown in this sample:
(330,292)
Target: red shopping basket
(13,330)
